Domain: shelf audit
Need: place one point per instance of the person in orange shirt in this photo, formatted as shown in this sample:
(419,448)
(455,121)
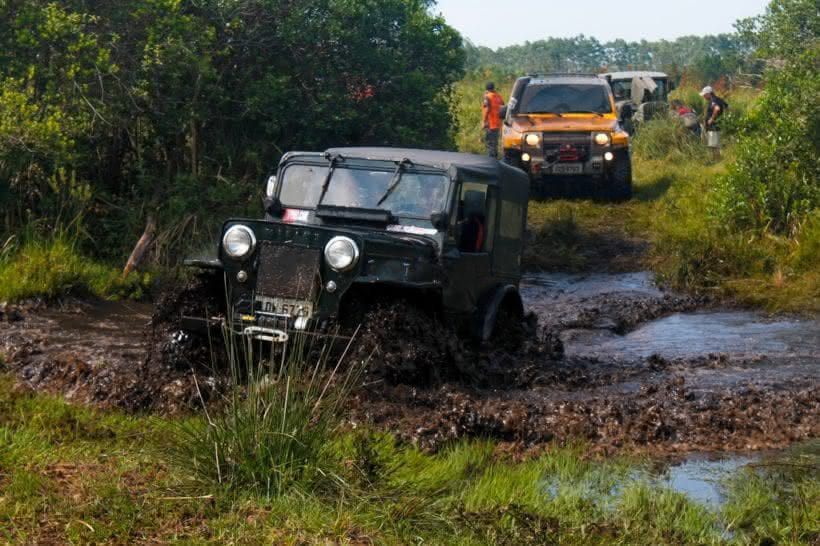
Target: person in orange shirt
(491,119)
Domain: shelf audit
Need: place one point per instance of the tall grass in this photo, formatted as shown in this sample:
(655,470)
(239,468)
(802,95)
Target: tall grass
(273,432)
(667,139)
(54,267)
(468,99)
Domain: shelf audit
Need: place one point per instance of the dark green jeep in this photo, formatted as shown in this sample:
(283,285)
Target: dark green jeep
(352,226)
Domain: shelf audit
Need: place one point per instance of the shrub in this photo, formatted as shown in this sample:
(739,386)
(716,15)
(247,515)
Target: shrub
(773,185)
(666,139)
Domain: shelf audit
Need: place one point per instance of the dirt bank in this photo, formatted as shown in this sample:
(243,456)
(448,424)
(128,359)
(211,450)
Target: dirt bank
(583,372)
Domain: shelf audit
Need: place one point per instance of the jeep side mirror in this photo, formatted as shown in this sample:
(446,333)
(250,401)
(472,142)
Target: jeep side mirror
(273,206)
(440,220)
(503,112)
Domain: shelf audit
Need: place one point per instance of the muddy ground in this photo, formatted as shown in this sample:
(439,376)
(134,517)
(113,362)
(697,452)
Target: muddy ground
(609,359)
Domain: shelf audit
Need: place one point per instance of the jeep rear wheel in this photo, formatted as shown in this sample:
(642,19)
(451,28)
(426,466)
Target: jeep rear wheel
(508,329)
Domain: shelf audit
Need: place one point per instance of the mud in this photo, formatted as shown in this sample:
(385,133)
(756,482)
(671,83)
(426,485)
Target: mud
(100,354)
(612,360)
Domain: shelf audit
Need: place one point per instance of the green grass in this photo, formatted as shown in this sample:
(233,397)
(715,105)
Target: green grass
(691,249)
(53,268)
(71,474)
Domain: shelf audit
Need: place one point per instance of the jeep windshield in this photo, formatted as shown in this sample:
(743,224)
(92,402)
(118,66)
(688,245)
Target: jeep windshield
(565,99)
(415,194)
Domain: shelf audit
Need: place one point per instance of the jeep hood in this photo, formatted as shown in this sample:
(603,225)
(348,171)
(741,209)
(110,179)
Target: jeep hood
(567,122)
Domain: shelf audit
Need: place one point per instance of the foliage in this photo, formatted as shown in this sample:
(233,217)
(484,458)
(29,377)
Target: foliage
(54,268)
(692,249)
(138,100)
(666,139)
(705,58)
(773,185)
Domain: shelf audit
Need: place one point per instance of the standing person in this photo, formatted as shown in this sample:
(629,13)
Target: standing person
(714,110)
(491,119)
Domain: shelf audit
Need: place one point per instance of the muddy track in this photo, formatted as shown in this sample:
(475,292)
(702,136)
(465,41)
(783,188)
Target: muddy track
(611,360)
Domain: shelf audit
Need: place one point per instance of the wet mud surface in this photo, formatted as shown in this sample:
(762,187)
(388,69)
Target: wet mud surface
(608,359)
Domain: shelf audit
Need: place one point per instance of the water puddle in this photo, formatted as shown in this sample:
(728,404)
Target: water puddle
(540,288)
(701,477)
(704,478)
(682,335)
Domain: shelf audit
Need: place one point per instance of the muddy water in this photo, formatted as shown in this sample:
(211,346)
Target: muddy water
(681,335)
(94,353)
(104,331)
(641,370)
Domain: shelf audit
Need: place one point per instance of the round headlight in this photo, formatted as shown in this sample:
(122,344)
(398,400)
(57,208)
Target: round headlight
(341,253)
(532,139)
(239,241)
(602,139)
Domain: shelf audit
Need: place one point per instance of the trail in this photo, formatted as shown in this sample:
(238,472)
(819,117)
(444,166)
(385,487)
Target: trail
(614,361)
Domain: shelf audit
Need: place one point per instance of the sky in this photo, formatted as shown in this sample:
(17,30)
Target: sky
(497,23)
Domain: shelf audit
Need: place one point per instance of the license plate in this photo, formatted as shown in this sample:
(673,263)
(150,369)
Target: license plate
(285,307)
(568,168)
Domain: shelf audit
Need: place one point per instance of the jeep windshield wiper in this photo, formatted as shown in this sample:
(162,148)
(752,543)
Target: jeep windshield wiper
(326,182)
(394,182)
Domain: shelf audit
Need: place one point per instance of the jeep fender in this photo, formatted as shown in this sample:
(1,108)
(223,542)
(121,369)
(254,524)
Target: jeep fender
(491,304)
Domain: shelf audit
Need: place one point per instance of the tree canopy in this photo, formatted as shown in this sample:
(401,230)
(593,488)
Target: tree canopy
(146,100)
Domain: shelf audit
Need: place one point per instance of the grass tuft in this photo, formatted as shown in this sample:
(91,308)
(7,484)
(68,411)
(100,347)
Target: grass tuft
(55,268)
(272,433)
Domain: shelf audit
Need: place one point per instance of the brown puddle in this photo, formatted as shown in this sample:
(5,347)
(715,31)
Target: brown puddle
(641,370)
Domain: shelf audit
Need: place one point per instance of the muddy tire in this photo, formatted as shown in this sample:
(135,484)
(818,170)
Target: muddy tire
(173,346)
(509,330)
(405,344)
(620,178)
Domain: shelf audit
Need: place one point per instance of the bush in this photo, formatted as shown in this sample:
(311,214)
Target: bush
(773,185)
(666,139)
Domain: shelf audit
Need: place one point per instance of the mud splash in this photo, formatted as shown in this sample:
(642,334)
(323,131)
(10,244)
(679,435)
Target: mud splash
(641,370)
(618,390)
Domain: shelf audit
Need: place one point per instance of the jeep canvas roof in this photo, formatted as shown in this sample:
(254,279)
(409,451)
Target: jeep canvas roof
(495,171)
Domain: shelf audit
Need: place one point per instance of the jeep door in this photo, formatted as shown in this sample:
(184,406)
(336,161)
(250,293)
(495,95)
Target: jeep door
(467,258)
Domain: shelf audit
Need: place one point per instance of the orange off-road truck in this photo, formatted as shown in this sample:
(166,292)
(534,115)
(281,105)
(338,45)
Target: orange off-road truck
(564,128)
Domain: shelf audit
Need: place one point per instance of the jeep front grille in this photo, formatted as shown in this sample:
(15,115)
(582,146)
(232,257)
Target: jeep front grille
(566,146)
(288,272)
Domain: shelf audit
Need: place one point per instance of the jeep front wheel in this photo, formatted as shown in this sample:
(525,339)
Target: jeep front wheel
(620,178)
(513,158)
